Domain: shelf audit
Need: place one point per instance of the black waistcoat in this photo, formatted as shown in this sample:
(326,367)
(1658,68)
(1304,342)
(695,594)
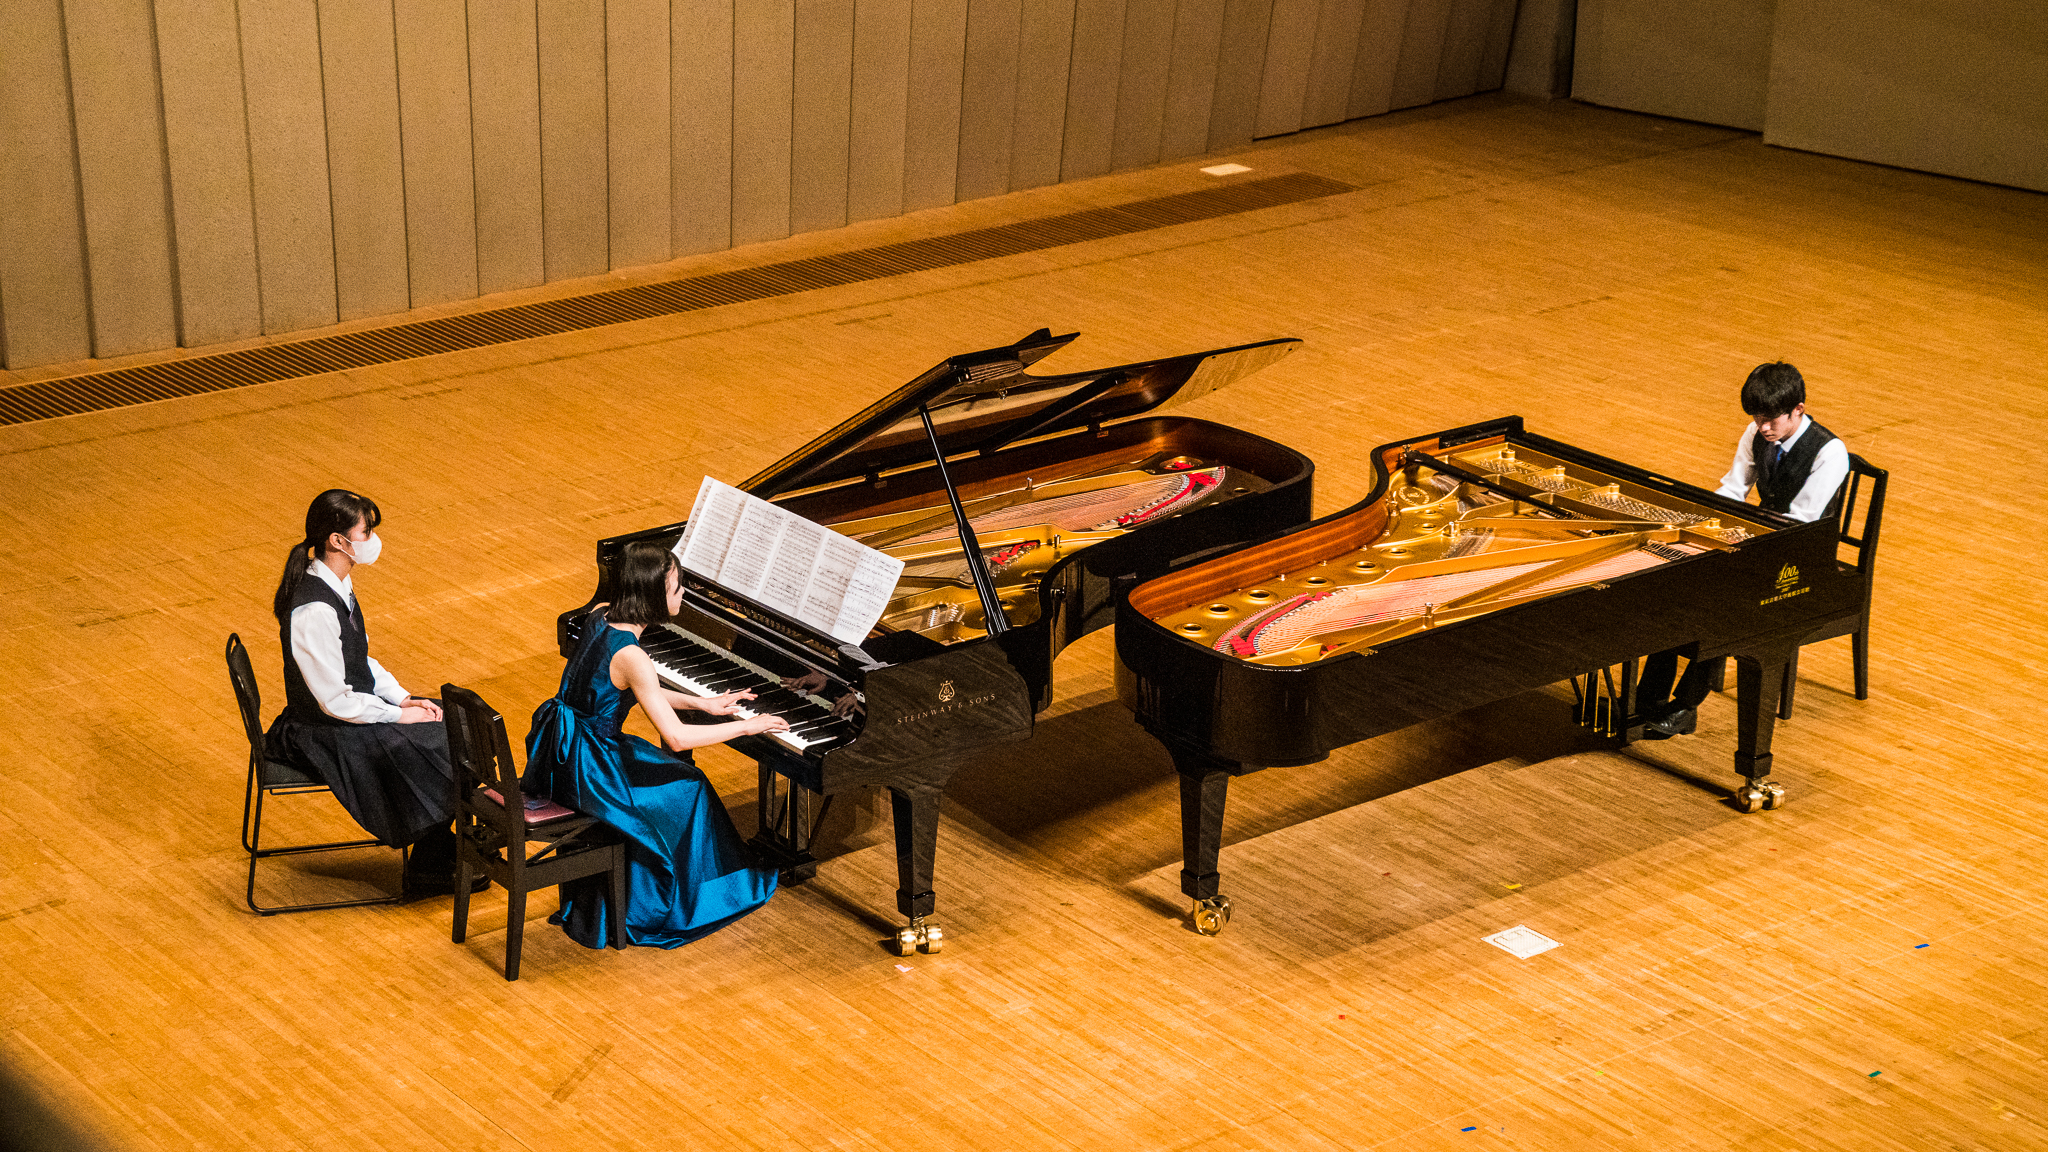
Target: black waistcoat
(1776,487)
(299,702)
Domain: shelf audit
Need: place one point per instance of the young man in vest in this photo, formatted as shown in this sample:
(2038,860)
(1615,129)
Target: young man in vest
(1797,468)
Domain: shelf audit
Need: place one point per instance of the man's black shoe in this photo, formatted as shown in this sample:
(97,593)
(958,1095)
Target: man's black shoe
(1677,722)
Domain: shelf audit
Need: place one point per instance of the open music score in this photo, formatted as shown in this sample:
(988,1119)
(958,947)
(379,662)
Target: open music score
(800,569)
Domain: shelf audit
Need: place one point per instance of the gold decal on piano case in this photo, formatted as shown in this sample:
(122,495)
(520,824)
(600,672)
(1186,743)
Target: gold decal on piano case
(931,712)
(945,691)
(1788,577)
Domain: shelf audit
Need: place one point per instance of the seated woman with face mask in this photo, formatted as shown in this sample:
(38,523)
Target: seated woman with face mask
(346,721)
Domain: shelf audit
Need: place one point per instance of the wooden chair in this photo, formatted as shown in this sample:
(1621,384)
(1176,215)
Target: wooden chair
(1859,532)
(269,778)
(492,838)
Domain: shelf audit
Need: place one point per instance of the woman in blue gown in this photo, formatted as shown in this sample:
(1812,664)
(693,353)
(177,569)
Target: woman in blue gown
(688,873)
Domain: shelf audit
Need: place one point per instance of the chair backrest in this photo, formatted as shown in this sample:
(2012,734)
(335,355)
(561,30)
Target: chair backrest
(246,694)
(477,743)
(1865,490)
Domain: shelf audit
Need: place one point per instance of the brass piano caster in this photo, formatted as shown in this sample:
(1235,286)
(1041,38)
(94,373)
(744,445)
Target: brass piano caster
(1211,914)
(918,936)
(1755,796)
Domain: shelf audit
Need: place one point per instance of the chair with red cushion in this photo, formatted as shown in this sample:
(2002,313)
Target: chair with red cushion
(494,838)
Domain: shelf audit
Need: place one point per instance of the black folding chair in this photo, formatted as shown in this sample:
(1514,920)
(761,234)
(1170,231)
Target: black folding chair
(268,778)
(492,836)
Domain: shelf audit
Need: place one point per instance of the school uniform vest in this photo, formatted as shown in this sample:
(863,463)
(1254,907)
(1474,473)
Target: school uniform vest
(1779,482)
(299,702)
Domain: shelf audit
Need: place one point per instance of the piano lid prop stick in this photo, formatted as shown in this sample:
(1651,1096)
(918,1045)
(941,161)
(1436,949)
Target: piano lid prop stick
(1435,464)
(994,622)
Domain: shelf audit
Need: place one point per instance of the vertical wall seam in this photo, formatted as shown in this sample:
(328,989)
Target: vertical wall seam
(156,58)
(92,327)
(404,173)
(249,155)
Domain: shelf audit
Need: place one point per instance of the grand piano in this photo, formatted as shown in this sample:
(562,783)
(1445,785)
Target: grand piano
(1487,561)
(1021,505)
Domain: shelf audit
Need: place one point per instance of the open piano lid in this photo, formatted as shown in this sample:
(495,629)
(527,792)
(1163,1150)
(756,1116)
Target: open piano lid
(983,401)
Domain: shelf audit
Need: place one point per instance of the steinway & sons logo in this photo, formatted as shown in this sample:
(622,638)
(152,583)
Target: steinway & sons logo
(1788,586)
(946,703)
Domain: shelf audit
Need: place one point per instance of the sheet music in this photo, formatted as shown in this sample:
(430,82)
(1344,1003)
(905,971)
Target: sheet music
(801,569)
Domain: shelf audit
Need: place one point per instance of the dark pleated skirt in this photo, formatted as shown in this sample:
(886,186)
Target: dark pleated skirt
(395,779)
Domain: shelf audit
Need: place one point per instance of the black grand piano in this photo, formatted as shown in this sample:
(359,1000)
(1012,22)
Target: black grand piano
(1487,562)
(1021,506)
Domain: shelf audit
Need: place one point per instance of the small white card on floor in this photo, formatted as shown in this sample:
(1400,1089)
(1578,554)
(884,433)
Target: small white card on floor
(1225,169)
(1523,942)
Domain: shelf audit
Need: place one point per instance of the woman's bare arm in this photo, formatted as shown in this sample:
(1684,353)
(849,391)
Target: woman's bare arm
(631,669)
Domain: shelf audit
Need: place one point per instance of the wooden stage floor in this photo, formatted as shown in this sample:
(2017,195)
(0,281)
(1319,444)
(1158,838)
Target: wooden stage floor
(1863,969)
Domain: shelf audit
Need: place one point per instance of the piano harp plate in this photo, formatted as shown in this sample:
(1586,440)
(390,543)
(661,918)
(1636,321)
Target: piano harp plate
(1451,550)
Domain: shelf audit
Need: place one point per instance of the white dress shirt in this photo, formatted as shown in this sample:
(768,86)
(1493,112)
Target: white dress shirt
(316,645)
(1830,467)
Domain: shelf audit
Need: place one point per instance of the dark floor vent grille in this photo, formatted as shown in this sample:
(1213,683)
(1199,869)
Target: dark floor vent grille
(72,395)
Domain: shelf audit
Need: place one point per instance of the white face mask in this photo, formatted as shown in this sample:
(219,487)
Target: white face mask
(366,551)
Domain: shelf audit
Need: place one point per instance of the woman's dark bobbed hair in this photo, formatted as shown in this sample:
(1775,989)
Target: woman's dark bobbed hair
(335,510)
(643,585)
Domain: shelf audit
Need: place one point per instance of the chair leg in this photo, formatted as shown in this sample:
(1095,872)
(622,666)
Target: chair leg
(462,871)
(615,913)
(1785,690)
(515,927)
(1719,681)
(1860,640)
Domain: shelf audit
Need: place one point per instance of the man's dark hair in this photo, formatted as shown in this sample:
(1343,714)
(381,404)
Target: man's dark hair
(643,584)
(1773,389)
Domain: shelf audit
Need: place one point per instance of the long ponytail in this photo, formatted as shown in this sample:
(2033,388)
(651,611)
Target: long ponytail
(335,510)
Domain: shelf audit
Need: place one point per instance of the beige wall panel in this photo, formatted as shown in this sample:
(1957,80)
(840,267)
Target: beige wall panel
(1707,60)
(1468,29)
(1283,88)
(574,180)
(42,235)
(1191,80)
(638,132)
(1422,52)
(701,122)
(822,114)
(931,126)
(365,165)
(764,32)
(440,180)
(504,120)
(1540,59)
(288,163)
(881,99)
(1952,86)
(1045,49)
(1332,64)
(123,184)
(1234,110)
(1501,16)
(1381,25)
(207,149)
(988,96)
(1141,85)
(1091,88)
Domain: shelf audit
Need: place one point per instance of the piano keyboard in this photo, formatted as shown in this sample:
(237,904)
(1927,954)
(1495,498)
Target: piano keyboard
(692,665)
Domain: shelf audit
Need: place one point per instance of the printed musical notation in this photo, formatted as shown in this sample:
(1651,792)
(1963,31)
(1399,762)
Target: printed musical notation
(777,558)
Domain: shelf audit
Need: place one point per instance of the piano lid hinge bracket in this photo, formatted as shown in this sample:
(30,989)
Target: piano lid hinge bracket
(1095,429)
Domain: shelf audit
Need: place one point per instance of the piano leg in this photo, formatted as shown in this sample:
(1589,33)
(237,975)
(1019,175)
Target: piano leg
(916,812)
(1204,789)
(1759,677)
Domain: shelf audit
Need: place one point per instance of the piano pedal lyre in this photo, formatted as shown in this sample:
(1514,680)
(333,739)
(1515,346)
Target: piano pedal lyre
(919,936)
(1210,914)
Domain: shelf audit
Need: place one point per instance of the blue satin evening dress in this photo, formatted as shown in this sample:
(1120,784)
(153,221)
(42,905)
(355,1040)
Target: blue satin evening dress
(687,872)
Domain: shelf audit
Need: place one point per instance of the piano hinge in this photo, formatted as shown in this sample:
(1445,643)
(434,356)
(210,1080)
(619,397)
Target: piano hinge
(876,480)
(1095,429)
